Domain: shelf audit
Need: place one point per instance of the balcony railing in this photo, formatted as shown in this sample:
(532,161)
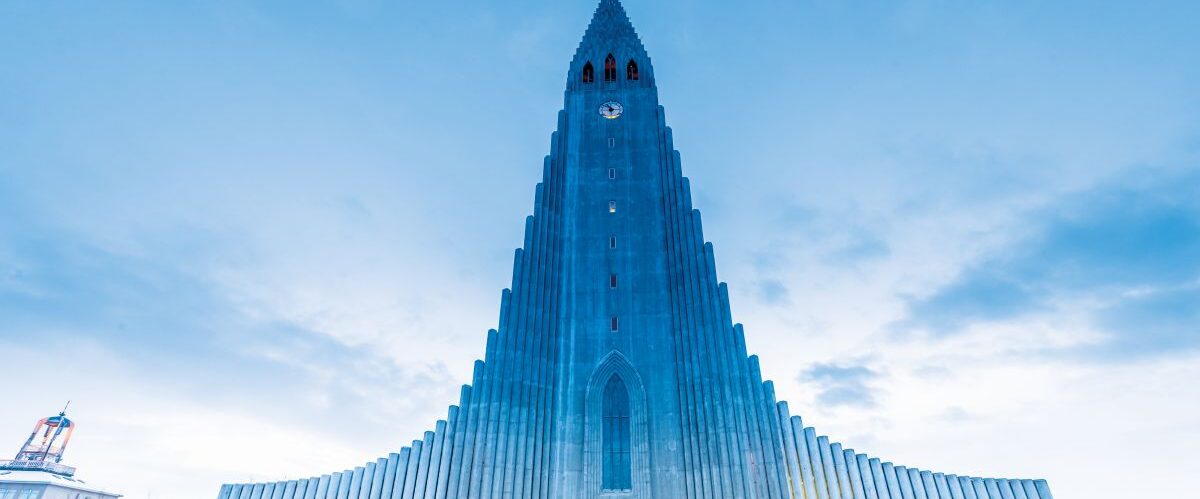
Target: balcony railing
(58,469)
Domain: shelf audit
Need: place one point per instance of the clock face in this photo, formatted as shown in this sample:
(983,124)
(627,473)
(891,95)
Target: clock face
(611,110)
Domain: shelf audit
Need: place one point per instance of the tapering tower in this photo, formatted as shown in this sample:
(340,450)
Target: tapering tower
(616,369)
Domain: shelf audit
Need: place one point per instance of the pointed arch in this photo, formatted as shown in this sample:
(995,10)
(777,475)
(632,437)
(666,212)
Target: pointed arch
(589,73)
(615,376)
(615,436)
(631,70)
(610,68)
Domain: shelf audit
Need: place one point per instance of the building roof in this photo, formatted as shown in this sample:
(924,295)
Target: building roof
(44,478)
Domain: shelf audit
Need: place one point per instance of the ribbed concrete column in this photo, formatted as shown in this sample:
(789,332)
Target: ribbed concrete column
(843,472)
(856,481)
(906,488)
(868,478)
(918,484)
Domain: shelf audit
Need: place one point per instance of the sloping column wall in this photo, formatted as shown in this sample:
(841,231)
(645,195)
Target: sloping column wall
(738,442)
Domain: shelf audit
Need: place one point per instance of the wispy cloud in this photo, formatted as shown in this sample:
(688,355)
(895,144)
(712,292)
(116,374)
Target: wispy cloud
(842,385)
(1124,253)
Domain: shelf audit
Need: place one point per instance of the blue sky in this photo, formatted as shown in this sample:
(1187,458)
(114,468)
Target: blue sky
(257,240)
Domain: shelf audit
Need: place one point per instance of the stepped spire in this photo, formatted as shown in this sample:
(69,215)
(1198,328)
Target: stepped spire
(610,23)
(611,34)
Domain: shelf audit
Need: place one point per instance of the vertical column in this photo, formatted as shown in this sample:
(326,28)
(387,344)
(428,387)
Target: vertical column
(389,476)
(906,488)
(943,489)
(444,476)
(968,489)
(356,480)
(1005,490)
(829,468)
(843,472)
(868,479)
(319,490)
(881,488)
(956,491)
(802,454)
(893,484)
(410,475)
(435,460)
(992,490)
(856,482)
(461,436)
(814,457)
(1043,489)
(981,490)
(914,477)
(790,455)
(331,486)
(930,487)
(343,490)
(423,466)
(401,473)
(364,484)
(377,477)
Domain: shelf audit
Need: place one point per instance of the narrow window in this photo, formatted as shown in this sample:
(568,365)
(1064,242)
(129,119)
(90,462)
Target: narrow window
(612,324)
(612,142)
(612,281)
(612,206)
(616,436)
(612,242)
(589,73)
(612,173)
(610,68)
(631,72)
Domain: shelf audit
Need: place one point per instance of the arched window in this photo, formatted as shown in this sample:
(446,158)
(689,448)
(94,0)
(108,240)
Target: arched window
(631,70)
(616,436)
(589,73)
(610,68)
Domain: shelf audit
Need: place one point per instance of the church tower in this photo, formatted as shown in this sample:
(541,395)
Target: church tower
(616,369)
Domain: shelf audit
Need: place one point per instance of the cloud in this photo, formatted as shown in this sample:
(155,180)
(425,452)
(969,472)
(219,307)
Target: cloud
(1126,254)
(1159,320)
(842,385)
(772,291)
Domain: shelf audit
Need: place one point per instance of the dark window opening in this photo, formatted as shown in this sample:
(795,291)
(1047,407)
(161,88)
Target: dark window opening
(631,72)
(612,281)
(612,242)
(612,142)
(589,73)
(612,173)
(612,324)
(616,436)
(610,68)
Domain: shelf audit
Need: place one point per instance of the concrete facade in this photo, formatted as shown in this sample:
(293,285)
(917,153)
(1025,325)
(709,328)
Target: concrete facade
(614,279)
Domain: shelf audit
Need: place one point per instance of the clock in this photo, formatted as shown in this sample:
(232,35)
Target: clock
(611,110)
